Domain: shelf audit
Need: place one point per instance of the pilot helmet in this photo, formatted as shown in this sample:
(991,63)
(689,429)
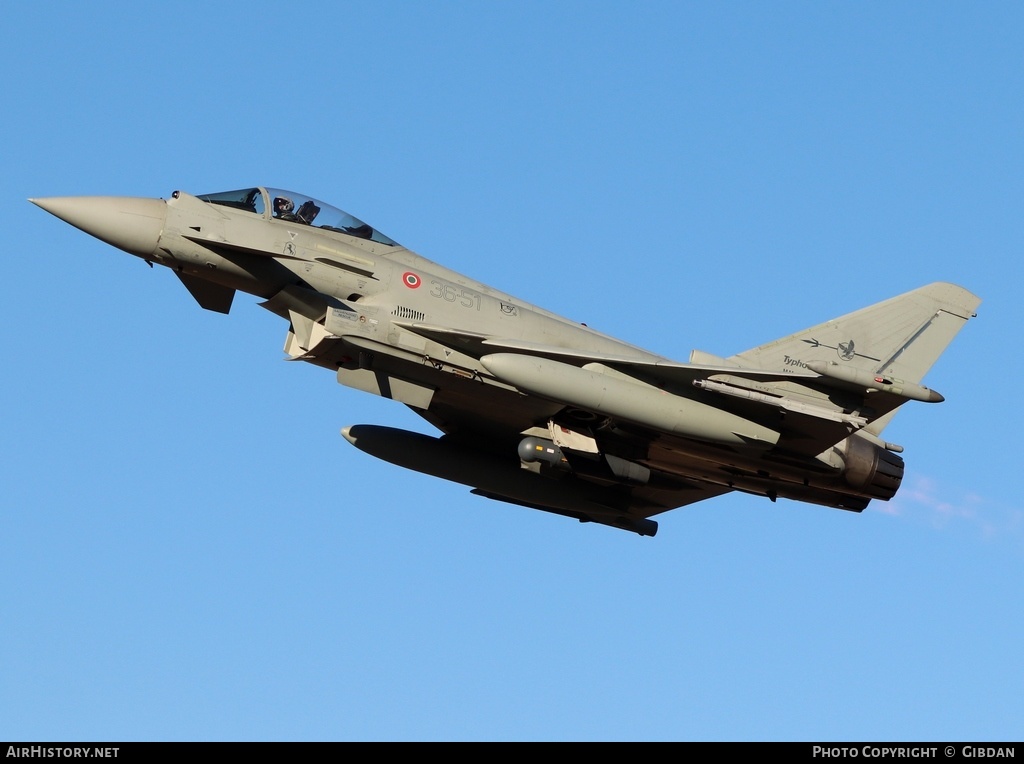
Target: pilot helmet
(283,205)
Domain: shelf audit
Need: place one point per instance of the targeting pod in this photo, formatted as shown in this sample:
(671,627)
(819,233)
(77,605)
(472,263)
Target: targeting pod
(533,450)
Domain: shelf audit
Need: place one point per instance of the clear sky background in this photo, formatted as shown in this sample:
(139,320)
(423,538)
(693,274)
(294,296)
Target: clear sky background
(190,549)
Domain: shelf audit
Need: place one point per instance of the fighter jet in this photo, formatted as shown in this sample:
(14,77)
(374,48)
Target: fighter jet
(532,408)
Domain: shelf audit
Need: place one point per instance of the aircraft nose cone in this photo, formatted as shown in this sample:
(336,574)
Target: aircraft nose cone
(130,223)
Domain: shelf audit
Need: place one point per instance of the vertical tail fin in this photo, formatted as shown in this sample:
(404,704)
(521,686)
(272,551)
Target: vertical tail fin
(900,337)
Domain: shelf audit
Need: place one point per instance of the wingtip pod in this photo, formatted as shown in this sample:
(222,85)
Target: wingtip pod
(880,382)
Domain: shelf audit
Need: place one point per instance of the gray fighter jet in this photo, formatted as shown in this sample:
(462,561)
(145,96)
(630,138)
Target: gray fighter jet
(535,409)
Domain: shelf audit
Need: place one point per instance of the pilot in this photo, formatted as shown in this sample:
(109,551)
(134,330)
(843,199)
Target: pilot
(284,208)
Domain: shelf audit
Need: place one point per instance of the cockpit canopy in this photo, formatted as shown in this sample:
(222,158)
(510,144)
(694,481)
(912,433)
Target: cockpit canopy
(278,204)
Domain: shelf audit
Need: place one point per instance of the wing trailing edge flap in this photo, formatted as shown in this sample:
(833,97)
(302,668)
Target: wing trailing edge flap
(636,518)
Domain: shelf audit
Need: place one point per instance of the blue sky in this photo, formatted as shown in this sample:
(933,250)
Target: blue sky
(191,551)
